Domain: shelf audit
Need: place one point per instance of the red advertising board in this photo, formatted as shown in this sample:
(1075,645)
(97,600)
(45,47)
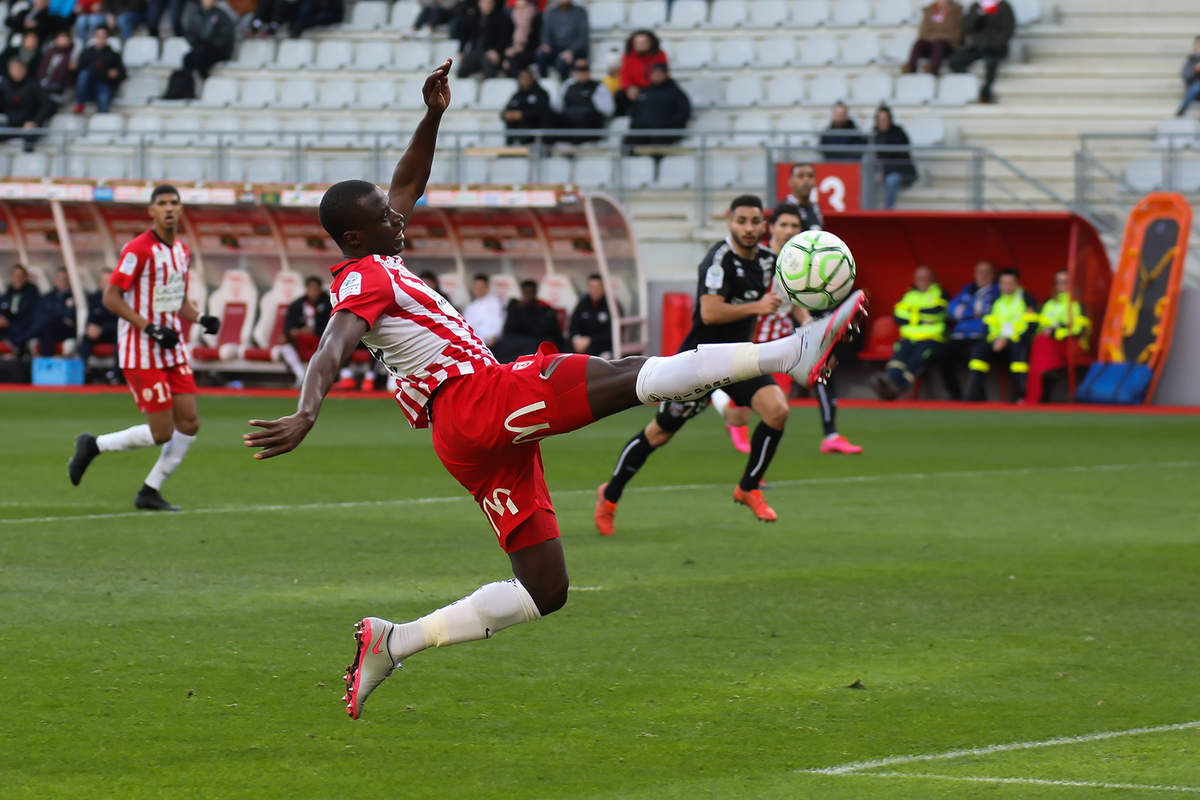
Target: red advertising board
(839,185)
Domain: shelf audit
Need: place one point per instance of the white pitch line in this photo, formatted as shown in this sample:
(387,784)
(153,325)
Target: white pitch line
(856,767)
(835,480)
(1031,781)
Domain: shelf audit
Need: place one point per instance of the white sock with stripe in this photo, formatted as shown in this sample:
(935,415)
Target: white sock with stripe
(480,614)
(693,373)
(171,456)
(290,357)
(134,438)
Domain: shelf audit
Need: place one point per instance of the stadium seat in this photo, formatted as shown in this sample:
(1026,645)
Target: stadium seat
(453,289)
(924,131)
(892,13)
(1026,12)
(335,94)
(914,90)
(494,93)
(140,89)
(810,12)
(752,172)
(860,48)
(367,15)
(179,130)
(647,13)
(894,49)
(692,54)
(143,128)
(104,129)
(509,171)
(720,172)
(223,127)
(752,128)
(409,97)
(218,92)
(743,90)
(100,166)
(70,124)
(173,51)
(1185,175)
(557,291)
(768,14)
(637,172)
(554,170)
(871,89)
(727,14)
(606,16)
(298,53)
(404,14)
(593,171)
(258,93)
(267,334)
(235,302)
(734,53)
(260,130)
(255,53)
(850,13)
(342,132)
(185,166)
(298,92)
(677,172)
(785,90)
(957,89)
(504,286)
(687,14)
(777,52)
(374,55)
(410,55)
(817,51)
(266,170)
(882,333)
(140,51)
(334,54)
(376,94)
(705,92)
(1145,174)
(825,90)
(1177,132)
(441,50)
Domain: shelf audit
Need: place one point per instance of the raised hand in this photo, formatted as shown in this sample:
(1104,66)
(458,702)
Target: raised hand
(436,90)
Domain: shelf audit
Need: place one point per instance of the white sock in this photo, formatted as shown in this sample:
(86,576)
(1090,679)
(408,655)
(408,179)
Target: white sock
(720,402)
(129,439)
(292,359)
(480,614)
(345,373)
(170,457)
(693,373)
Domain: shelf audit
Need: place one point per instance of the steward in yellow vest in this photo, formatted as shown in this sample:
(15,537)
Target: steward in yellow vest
(1010,325)
(1062,328)
(921,315)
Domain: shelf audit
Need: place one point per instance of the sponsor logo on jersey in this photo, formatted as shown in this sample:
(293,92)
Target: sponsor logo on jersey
(499,502)
(525,433)
(715,277)
(351,286)
(128,264)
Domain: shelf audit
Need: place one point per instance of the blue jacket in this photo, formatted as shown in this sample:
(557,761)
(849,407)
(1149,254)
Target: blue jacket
(968,308)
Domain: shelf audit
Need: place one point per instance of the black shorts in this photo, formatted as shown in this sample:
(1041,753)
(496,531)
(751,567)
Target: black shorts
(671,416)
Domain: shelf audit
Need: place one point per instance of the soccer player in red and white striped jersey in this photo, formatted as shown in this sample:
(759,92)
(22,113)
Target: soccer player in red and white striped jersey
(148,292)
(486,418)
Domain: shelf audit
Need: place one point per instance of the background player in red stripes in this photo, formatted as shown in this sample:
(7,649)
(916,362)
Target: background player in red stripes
(148,291)
(486,418)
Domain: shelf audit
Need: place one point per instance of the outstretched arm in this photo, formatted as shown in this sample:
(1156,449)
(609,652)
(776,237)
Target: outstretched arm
(285,434)
(412,171)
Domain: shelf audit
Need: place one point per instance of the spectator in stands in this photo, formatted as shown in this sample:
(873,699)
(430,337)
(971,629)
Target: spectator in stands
(210,31)
(54,321)
(1062,327)
(271,16)
(316,14)
(939,33)
(101,71)
(565,32)
(28,52)
(896,167)
(583,103)
(485,312)
(527,323)
(528,108)
(642,51)
(663,105)
(18,308)
(987,30)
(101,327)
(483,39)
(591,326)
(88,17)
(24,103)
(126,16)
(1191,77)
(303,325)
(433,14)
(32,16)
(966,312)
(527,32)
(1010,326)
(921,315)
(154,14)
(54,71)
(842,140)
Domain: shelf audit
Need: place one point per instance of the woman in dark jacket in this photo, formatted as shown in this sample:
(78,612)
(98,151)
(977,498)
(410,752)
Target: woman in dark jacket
(483,38)
(896,166)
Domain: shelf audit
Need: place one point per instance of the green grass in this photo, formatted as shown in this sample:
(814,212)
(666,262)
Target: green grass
(979,590)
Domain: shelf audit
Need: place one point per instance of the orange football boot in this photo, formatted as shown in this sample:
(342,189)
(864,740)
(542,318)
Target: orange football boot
(757,503)
(604,512)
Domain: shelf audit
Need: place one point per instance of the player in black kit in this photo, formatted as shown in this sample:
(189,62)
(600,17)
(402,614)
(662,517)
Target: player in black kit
(732,293)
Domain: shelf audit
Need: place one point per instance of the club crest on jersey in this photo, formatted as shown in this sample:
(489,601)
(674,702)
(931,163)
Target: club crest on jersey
(351,286)
(715,277)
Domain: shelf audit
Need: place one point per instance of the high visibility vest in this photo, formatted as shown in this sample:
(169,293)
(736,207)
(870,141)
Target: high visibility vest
(1010,317)
(922,315)
(1064,317)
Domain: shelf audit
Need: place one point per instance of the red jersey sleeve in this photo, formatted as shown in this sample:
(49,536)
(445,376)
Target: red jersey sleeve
(364,290)
(129,267)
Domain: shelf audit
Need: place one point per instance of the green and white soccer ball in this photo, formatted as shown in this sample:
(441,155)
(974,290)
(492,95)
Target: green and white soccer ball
(816,270)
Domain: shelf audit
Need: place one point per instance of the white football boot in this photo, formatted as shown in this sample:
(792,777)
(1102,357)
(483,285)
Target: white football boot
(818,337)
(372,662)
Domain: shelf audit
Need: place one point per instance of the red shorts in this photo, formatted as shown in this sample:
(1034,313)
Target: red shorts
(152,388)
(486,429)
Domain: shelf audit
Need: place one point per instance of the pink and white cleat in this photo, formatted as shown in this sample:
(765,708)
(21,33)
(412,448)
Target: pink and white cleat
(839,444)
(740,436)
(818,337)
(372,662)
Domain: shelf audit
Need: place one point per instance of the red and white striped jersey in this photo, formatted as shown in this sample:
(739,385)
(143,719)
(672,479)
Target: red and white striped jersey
(414,331)
(154,279)
(778,325)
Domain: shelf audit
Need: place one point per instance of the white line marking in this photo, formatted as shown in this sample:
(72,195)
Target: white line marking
(406,501)
(858,766)
(1030,781)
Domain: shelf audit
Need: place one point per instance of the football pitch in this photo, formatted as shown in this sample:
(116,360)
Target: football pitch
(984,604)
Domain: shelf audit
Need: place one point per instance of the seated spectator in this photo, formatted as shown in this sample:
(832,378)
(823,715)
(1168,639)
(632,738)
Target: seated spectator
(842,140)
(88,17)
(590,330)
(1062,327)
(210,31)
(483,39)
(101,71)
(32,16)
(126,16)
(1010,327)
(921,315)
(303,325)
(662,105)
(27,51)
(966,312)
(485,312)
(433,14)
(18,309)
(272,16)
(528,108)
(583,103)
(54,70)
(565,34)
(527,32)
(1191,77)
(54,322)
(802,183)
(316,14)
(527,323)
(939,33)
(642,51)
(24,103)
(154,14)
(101,328)
(987,30)
(896,167)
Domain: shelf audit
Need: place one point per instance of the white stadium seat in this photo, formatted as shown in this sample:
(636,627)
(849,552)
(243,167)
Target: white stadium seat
(173,51)
(850,13)
(957,89)
(376,94)
(752,172)
(1186,175)
(752,128)
(255,53)
(810,12)
(892,13)
(267,333)
(334,54)
(143,127)
(677,172)
(1177,132)
(140,51)
(441,50)
(235,300)
(179,130)
(1026,11)
(225,127)
(105,129)
(785,90)
(295,54)
(637,172)
(860,48)
(687,14)
(343,131)
(140,89)
(404,14)
(914,90)
(871,89)
(606,16)
(29,165)
(495,92)
(721,172)
(335,94)
(258,93)
(104,167)
(825,90)
(591,171)
(727,14)
(705,92)
(261,130)
(465,93)
(298,92)
(411,55)
(743,90)
(734,53)
(769,13)
(817,51)
(777,52)
(554,170)
(266,170)
(647,13)
(894,49)
(368,15)
(924,131)
(218,92)
(1145,175)
(692,54)
(557,292)
(373,55)
(509,171)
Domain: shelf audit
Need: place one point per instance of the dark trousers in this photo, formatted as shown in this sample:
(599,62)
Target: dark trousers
(983,358)
(909,361)
(476,60)
(961,60)
(90,87)
(154,13)
(203,56)
(546,60)
(432,16)
(311,15)
(935,51)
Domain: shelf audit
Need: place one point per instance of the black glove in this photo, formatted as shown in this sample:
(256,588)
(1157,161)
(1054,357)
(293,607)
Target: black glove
(167,338)
(210,324)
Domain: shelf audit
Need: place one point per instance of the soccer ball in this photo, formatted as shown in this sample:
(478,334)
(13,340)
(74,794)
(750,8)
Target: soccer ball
(816,270)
